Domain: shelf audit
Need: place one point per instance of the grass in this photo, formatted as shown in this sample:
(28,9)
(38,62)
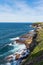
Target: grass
(35,55)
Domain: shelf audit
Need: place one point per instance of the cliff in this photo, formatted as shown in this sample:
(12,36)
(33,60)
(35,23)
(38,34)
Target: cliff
(36,56)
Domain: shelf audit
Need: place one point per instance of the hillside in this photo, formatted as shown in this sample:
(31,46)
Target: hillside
(36,56)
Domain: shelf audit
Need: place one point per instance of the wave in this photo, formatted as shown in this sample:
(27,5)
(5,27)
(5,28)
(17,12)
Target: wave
(14,38)
(17,48)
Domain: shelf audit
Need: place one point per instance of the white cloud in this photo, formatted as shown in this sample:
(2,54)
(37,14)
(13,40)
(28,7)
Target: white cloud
(21,12)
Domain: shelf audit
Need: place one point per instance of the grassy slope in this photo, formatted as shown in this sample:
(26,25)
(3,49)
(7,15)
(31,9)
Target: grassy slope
(36,57)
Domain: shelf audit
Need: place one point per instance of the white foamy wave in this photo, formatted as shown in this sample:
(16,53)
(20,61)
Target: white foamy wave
(14,38)
(8,63)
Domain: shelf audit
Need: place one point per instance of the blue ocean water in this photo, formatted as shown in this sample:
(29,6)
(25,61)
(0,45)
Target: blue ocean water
(12,30)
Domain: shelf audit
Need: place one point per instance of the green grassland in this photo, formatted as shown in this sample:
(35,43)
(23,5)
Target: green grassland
(36,56)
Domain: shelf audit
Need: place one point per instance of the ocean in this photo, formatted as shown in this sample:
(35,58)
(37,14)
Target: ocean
(12,30)
(9,31)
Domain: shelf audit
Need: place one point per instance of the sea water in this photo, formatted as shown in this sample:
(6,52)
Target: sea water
(9,31)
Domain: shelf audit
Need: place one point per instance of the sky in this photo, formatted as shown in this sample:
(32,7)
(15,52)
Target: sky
(21,10)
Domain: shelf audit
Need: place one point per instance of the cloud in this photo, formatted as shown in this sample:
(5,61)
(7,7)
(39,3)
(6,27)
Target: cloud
(20,11)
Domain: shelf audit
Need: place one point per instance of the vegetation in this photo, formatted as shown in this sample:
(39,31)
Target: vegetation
(36,56)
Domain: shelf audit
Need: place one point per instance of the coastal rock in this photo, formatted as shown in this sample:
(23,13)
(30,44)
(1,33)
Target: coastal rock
(17,56)
(9,58)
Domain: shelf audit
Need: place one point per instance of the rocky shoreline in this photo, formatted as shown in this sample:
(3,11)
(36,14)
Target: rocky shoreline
(36,56)
(29,41)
